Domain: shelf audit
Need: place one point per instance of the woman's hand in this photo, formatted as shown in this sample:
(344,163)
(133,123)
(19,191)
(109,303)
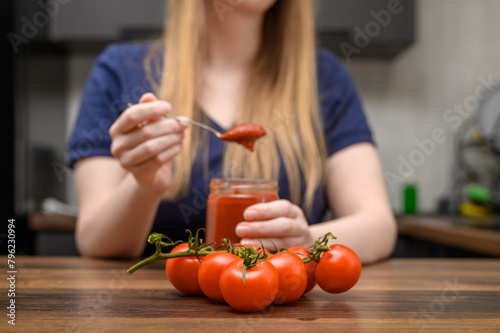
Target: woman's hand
(145,142)
(279,224)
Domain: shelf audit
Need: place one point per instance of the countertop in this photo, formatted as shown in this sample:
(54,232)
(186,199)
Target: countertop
(74,294)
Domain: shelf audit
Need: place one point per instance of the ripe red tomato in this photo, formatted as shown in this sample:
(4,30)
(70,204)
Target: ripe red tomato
(338,269)
(209,273)
(183,272)
(258,291)
(292,276)
(310,266)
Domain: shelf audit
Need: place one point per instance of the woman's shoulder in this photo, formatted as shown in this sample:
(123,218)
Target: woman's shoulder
(332,75)
(330,66)
(122,65)
(132,51)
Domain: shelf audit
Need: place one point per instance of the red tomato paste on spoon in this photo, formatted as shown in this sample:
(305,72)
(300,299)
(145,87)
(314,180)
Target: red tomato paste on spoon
(245,134)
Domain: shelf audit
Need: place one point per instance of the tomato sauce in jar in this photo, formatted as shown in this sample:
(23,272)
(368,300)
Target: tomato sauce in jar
(227,201)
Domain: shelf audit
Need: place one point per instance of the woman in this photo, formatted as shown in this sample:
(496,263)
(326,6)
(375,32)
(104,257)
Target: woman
(225,63)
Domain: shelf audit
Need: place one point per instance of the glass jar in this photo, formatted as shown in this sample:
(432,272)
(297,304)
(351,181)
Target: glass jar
(228,199)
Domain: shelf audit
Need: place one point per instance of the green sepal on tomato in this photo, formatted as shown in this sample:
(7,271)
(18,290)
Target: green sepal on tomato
(238,248)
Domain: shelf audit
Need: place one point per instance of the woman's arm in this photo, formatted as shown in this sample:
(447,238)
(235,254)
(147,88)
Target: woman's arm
(357,195)
(118,197)
(115,213)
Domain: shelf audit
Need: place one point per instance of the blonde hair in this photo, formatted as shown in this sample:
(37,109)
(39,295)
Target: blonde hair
(281,95)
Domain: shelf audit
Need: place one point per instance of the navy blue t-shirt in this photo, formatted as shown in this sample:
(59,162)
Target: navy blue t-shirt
(118,78)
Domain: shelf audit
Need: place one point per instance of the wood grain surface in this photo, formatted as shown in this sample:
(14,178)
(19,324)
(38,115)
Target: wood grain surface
(71,294)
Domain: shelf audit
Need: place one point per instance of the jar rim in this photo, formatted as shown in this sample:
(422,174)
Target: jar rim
(243,183)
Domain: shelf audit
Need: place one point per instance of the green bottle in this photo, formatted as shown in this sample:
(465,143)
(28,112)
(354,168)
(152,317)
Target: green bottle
(410,199)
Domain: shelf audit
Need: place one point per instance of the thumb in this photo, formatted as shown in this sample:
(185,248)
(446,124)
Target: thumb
(148,97)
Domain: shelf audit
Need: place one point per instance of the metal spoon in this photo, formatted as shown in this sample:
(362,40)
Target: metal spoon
(192,122)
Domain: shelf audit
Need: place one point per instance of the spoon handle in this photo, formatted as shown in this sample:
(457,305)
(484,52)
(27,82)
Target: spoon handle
(192,122)
(195,123)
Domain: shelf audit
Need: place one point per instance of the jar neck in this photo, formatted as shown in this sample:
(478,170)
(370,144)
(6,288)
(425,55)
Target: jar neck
(242,185)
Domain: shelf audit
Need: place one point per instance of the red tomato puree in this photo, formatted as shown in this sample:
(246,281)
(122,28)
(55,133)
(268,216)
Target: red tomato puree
(245,134)
(226,204)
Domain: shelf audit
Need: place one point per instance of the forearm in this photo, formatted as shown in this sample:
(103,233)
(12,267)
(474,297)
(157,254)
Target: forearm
(119,224)
(371,235)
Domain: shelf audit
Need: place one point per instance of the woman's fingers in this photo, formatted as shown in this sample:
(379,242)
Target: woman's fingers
(278,227)
(273,244)
(145,142)
(124,142)
(278,223)
(271,210)
(278,218)
(148,97)
(138,114)
(151,165)
(150,149)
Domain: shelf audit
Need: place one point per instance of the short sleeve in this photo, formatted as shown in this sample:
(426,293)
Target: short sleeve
(343,118)
(116,79)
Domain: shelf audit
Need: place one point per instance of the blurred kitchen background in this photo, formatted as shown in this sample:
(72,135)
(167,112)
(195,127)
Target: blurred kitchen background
(428,73)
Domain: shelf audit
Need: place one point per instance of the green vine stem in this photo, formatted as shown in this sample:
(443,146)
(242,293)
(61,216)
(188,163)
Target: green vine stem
(320,246)
(196,247)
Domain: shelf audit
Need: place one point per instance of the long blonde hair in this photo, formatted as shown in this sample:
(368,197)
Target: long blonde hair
(281,95)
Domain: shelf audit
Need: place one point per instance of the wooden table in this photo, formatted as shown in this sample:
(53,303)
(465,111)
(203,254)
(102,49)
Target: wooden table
(70,294)
(479,235)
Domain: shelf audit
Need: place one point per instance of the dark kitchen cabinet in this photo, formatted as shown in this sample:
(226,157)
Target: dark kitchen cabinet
(365,28)
(350,28)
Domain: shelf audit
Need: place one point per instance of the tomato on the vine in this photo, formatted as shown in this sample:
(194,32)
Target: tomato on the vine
(292,276)
(257,291)
(209,273)
(255,246)
(338,269)
(183,271)
(310,266)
